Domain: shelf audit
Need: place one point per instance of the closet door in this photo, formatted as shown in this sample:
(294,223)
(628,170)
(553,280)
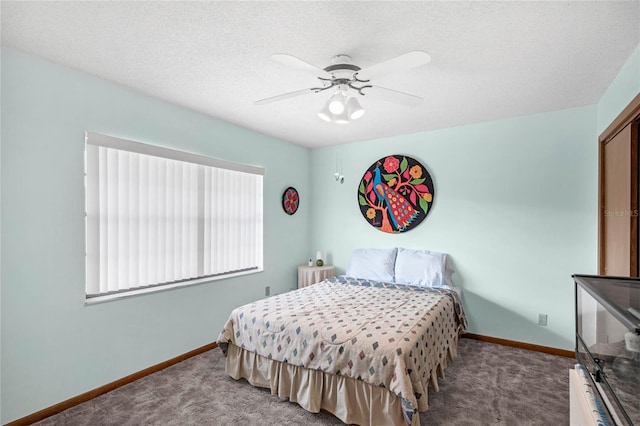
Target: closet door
(619,203)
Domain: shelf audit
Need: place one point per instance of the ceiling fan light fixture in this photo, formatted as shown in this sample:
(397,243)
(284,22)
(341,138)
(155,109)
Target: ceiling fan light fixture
(345,80)
(337,104)
(354,109)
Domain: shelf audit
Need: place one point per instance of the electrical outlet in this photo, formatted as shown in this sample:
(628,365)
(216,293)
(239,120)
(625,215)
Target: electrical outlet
(267,290)
(542,319)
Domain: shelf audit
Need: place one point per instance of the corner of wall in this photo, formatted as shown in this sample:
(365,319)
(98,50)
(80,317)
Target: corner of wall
(624,87)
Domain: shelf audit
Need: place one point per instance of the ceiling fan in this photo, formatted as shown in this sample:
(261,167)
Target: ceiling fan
(346,81)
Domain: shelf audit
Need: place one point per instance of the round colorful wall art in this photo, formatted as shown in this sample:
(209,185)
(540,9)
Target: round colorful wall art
(290,200)
(395,194)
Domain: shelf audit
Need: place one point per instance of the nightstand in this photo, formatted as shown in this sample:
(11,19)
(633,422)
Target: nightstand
(308,275)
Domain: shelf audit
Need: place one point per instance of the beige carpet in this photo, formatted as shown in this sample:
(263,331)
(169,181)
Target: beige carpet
(487,384)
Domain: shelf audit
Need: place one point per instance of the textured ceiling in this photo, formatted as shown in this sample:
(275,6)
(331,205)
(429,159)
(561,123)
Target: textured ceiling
(490,60)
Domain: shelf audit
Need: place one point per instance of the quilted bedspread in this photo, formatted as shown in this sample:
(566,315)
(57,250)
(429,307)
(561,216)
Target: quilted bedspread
(388,335)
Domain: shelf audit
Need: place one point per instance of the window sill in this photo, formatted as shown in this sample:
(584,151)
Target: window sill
(115,296)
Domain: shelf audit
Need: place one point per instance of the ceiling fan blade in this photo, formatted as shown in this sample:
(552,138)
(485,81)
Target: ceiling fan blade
(299,64)
(283,96)
(397,64)
(391,95)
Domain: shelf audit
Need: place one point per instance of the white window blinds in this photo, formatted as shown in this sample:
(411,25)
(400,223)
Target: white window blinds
(156,216)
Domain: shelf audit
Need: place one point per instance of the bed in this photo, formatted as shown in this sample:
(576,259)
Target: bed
(365,346)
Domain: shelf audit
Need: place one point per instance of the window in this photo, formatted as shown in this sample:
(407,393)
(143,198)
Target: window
(159,217)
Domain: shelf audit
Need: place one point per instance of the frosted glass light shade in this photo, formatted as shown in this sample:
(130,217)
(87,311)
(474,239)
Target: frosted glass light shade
(325,114)
(354,109)
(337,103)
(342,118)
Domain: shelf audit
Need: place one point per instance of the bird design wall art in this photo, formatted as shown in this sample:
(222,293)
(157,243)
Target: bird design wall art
(395,194)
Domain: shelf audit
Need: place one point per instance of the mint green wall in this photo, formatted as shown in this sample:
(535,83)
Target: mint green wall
(622,90)
(0,250)
(515,206)
(53,346)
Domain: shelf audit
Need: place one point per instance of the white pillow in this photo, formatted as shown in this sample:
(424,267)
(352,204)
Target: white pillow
(423,268)
(448,267)
(372,264)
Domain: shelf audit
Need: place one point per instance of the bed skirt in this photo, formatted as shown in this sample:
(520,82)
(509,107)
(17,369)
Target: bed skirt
(352,401)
